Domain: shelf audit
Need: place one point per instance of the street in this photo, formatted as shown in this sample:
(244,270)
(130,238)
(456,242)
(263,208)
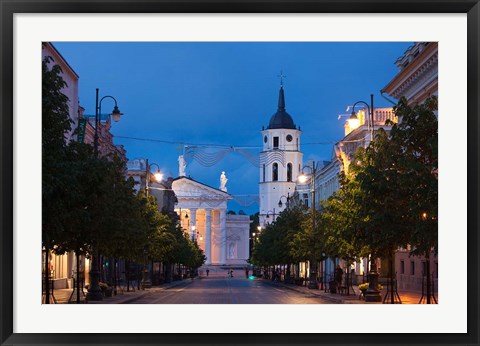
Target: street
(225,290)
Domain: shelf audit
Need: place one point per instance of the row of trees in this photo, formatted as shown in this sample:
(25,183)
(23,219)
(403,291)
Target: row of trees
(387,199)
(88,203)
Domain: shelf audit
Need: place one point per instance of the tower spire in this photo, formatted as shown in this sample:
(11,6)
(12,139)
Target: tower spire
(281,75)
(281,100)
(281,97)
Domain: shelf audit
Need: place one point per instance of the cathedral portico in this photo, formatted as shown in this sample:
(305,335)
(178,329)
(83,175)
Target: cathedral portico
(203,214)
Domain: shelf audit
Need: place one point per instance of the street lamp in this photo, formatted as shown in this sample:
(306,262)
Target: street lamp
(312,281)
(158,175)
(94,291)
(146,282)
(270,213)
(372,294)
(287,201)
(354,122)
(98,112)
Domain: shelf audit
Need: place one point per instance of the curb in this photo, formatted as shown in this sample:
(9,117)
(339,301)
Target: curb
(314,292)
(137,295)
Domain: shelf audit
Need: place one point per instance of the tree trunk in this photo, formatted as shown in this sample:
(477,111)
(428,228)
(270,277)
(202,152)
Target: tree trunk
(392,259)
(77,283)
(47,276)
(127,274)
(115,276)
(429,283)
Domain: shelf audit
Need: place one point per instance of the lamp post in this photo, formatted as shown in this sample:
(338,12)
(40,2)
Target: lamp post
(312,281)
(158,175)
(287,201)
(271,213)
(146,282)
(372,294)
(354,119)
(94,291)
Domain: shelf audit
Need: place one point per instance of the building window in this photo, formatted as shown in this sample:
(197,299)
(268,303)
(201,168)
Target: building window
(275,172)
(289,172)
(402,267)
(412,268)
(275,142)
(305,199)
(264,173)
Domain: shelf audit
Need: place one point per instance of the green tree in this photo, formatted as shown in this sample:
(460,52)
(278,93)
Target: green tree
(263,252)
(416,136)
(55,175)
(391,191)
(309,243)
(274,246)
(340,216)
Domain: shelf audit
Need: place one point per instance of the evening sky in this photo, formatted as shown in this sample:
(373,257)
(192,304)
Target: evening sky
(222,93)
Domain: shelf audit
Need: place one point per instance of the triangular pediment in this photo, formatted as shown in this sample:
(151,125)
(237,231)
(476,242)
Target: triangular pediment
(186,188)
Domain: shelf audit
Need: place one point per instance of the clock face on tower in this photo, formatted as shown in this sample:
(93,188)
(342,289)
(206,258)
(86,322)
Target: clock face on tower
(289,138)
(265,139)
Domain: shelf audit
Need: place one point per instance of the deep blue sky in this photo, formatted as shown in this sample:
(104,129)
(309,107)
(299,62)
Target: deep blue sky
(223,93)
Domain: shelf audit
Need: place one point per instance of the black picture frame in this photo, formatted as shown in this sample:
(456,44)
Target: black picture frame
(10,7)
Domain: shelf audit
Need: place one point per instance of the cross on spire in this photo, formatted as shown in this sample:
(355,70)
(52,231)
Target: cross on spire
(282,76)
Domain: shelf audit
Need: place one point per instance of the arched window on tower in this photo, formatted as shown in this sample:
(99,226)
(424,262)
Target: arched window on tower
(289,172)
(275,172)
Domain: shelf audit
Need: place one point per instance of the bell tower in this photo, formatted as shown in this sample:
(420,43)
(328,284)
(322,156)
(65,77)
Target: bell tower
(280,161)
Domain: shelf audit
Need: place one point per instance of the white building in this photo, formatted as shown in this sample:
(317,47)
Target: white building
(280,162)
(417,77)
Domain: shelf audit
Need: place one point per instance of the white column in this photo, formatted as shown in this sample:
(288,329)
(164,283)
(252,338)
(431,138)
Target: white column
(223,236)
(193,222)
(246,242)
(208,236)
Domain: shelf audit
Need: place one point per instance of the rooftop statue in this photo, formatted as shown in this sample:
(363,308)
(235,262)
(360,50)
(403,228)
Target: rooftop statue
(223,182)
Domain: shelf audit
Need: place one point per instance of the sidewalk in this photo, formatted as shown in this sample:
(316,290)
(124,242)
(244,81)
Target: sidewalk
(407,297)
(62,295)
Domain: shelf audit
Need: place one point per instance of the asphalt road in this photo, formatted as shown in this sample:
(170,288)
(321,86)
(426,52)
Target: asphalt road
(224,290)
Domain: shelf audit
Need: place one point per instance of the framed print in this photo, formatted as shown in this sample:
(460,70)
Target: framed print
(180,251)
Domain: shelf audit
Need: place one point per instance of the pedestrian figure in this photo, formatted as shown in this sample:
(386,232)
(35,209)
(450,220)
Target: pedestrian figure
(231,273)
(338,276)
(208,271)
(246,273)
